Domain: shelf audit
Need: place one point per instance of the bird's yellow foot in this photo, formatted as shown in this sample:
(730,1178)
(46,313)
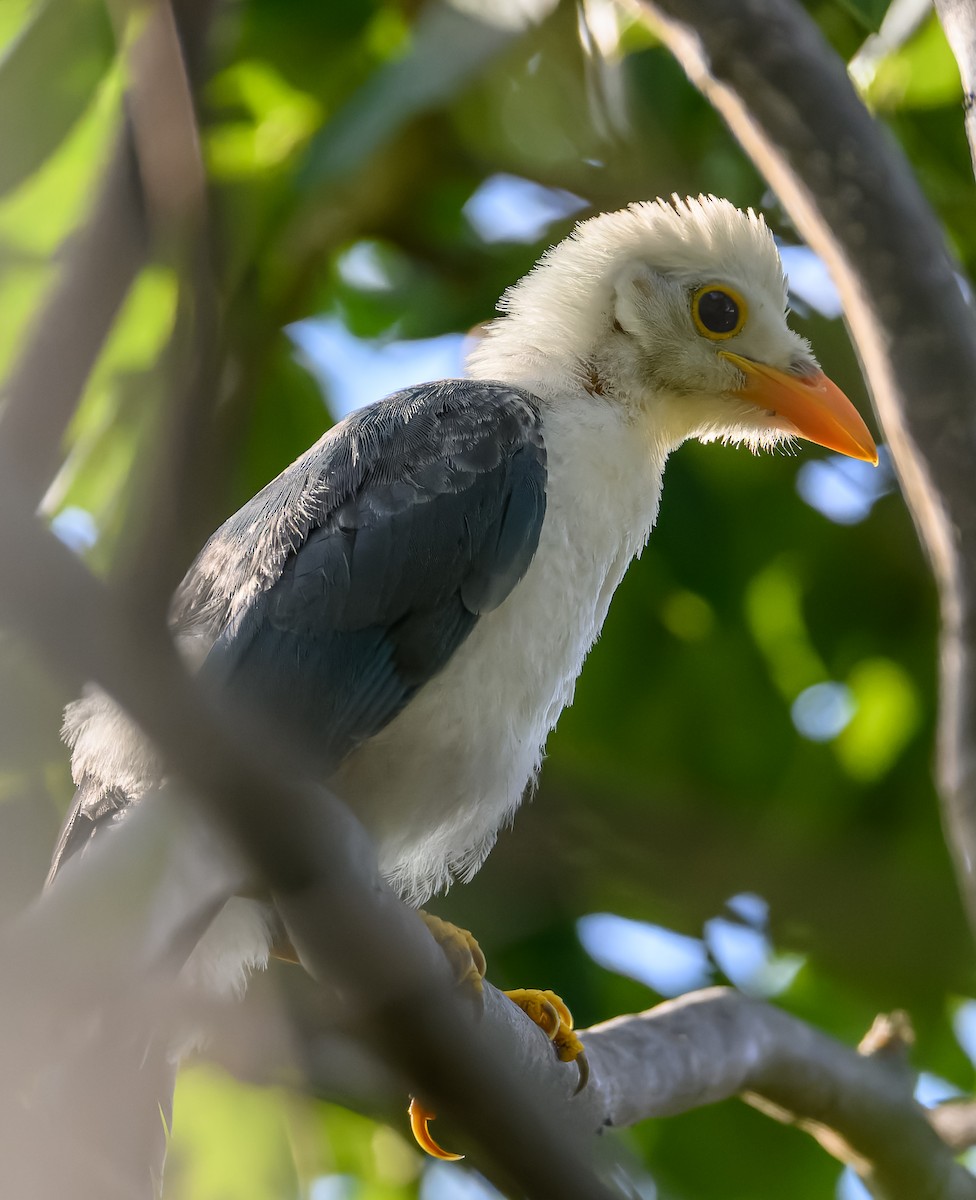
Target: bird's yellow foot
(550,1013)
(545,1008)
(461,949)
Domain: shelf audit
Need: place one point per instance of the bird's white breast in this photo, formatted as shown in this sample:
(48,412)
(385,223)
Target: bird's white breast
(436,785)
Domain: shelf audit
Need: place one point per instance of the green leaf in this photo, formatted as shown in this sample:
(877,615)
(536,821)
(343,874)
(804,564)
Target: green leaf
(775,613)
(47,77)
(287,416)
(921,74)
(36,216)
(228,1140)
(868,13)
(280,118)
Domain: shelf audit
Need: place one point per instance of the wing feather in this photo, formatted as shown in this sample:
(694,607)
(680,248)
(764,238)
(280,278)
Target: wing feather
(430,515)
(343,586)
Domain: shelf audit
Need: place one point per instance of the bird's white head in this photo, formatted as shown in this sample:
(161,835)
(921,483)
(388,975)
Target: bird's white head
(676,312)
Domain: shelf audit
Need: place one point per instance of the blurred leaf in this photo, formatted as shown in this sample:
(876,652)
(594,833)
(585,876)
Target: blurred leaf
(117,408)
(37,215)
(15,15)
(774,609)
(288,415)
(687,616)
(22,285)
(922,74)
(868,13)
(448,48)
(228,1141)
(69,45)
(886,717)
(281,118)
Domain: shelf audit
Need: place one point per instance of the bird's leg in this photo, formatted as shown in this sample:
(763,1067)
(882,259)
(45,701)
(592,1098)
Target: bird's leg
(544,1008)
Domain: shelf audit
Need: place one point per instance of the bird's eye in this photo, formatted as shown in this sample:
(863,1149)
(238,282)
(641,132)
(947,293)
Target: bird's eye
(718,312)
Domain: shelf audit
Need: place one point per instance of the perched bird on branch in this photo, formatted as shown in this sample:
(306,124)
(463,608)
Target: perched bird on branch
(409,604)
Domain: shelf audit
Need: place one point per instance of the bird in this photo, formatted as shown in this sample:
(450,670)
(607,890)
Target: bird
(410,603)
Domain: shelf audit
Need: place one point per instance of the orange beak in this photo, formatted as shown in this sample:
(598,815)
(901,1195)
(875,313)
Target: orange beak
(815,408)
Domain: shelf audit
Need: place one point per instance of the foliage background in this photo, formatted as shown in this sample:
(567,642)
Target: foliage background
(757,720)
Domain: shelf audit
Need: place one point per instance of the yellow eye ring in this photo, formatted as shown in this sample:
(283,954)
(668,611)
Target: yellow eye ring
(719,312)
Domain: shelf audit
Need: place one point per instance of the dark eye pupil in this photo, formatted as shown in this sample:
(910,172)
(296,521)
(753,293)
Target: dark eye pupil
(718,312)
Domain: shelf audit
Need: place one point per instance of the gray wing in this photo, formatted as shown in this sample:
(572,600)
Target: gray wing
(411,519)
(351,579)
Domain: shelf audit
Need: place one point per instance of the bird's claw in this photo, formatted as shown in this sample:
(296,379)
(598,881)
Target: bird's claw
(420,1119)
(583,1066)
(544,1008)
(550,1013)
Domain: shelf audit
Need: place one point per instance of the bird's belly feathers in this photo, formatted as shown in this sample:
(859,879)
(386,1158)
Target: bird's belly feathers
(436,785)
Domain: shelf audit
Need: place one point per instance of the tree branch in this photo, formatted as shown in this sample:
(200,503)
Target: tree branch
(710,1045)
(787,98)
(955,1123)
(176,480)
(683,1054)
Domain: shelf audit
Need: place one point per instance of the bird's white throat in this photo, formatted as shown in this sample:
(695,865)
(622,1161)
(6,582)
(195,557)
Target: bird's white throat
(437,784)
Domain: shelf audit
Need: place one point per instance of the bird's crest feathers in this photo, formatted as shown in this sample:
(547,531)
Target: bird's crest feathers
(558,309)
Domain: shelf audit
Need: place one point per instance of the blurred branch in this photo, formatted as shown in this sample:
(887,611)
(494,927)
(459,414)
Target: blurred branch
(958,19)
(176,480)
(684,1054)
(787,97)
(93,1006)
(159,102)
(955,1123)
